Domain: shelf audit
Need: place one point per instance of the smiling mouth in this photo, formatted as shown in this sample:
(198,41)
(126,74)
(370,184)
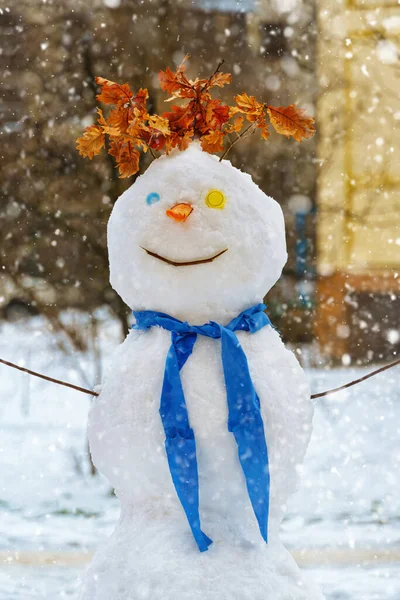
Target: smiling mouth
(186,263)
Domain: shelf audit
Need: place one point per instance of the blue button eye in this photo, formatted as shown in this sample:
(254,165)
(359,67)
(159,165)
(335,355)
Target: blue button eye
(152,198)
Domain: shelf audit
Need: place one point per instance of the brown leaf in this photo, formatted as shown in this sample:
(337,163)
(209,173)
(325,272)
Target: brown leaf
(180,117)
(136,128)
(213,141)
(91,142)
(120,117)
(233,110)
(157,141)
(159,123)
(176,83)
(111,131)
(184,140)
(114,148)
(249,106)
(220,79)
(263,125)
(236,125)
(113,93)
(128,160)
(171,142)
(291,121)
(141,97)
(216,114)
(101,120)
(182,67)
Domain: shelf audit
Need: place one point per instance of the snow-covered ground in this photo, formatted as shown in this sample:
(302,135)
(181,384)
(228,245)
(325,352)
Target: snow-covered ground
(343,525)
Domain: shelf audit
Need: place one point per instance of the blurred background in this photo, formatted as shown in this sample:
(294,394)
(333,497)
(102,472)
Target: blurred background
(337,303)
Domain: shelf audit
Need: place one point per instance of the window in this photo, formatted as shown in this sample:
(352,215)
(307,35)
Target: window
(272,40)
(226,5)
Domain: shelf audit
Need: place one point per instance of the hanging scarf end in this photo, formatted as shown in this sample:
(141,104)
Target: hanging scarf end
(204,542)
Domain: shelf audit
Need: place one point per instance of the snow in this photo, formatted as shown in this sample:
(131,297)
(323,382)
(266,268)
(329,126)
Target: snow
(152,549)
(387,52)
(341,504)
(126,440)
(54,583)
(250,226)
(346,512)
(391,24)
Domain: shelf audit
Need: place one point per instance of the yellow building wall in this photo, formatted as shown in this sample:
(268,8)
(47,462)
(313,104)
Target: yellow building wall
(359,129)
(358,219)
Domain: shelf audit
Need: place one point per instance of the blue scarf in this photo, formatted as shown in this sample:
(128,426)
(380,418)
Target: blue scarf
(244,421)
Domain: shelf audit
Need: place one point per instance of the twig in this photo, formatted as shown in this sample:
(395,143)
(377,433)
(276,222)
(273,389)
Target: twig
(93,393)
(351,383)
(150,148)
(218,67)
(240,137)
(152,153)
(64,383)
(203,87)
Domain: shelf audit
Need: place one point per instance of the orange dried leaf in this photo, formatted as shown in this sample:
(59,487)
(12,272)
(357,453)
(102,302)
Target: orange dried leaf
(176,84)
(159,123)
(291,121)
(263,125)
(110,130)
(182,67)
(220,79)
(141,97)
(233,110)
(101,120)
(113,93)
(140,114)
(115,148)
(249,106)
(216,114)
(181,117)
(213,141)
(128,160)
(236,125)
(171,142)
(91,142)
(135,128)
(184,140)
(120,117)
(157,141)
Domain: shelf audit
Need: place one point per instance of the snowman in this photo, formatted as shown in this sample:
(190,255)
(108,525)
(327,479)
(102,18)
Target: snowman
(204,416)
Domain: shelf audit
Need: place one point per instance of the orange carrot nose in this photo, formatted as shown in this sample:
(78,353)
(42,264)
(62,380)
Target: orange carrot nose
(179,212)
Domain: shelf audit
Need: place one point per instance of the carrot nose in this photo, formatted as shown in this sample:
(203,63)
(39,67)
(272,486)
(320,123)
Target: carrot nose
(179,212)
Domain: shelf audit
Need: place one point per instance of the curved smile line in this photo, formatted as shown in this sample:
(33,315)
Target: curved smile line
(184,263)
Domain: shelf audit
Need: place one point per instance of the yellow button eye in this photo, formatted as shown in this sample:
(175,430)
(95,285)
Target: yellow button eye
(215,199)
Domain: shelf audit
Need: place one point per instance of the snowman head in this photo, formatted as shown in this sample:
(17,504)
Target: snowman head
(195,238)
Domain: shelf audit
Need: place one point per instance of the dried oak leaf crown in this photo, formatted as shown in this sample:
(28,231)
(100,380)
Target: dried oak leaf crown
(131,129)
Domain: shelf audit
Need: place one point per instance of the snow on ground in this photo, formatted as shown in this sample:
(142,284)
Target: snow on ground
(348,501)
(57,583)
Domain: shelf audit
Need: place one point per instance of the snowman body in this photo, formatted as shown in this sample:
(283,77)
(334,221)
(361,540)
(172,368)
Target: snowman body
(152,553)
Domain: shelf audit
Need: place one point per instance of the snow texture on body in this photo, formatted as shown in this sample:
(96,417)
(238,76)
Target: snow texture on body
(152,553)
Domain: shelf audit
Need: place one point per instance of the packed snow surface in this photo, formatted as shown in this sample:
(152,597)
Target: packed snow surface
(249,226)
(348,498)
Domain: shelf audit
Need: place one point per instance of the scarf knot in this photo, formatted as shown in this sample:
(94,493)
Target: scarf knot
(244,416)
